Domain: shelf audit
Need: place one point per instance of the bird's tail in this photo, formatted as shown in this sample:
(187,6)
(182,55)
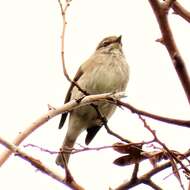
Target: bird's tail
(73,132)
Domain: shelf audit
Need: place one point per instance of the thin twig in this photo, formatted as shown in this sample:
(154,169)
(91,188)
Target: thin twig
(63,12)
(115,134)
(39,165)
(149,174)
(169,152)
(172,157)
(84,148)
(183,123)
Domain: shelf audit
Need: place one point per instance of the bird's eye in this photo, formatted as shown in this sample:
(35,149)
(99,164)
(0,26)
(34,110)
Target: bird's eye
(105,43)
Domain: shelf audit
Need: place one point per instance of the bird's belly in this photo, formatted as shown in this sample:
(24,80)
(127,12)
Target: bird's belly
(102,79)
(90,115)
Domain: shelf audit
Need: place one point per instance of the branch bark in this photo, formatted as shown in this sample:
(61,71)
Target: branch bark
(183,123)
(160,12)
(181,11)
(39,165)
(147,176)
(54,112)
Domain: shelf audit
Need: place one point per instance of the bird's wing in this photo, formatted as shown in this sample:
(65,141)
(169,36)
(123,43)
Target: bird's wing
(68,96)
(91,132)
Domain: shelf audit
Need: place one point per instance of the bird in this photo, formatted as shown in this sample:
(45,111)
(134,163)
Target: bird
(105,71)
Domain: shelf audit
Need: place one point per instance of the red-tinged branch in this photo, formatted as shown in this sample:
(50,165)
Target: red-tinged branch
(160,11)
(183,123)
(173,157)
(147,176)
(181,11)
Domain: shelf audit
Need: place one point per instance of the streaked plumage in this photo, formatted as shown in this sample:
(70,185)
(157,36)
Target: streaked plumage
(105,71)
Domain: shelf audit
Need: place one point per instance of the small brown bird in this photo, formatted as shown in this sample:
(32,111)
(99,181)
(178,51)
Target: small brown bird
(105,71)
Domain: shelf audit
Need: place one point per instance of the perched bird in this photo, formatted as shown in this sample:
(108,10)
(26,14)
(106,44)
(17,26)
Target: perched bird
(105,71)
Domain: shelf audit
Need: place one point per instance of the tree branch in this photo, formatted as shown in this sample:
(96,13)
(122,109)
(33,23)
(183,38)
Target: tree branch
(153,185)
(39,165)
(135,172)
(183,123)
(169,42)
(54,112)
(181,11)
(63,13)
(149,174)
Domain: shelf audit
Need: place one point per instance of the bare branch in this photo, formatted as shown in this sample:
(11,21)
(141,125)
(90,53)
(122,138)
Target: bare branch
(167,4)
(135,172)
(169,42)
(54,112)
(115,134)
(39,165)
(152,184)
(173,157)
(181,11)
(170,153)
(183,123)
(63,12)
(149,174)
(115,146)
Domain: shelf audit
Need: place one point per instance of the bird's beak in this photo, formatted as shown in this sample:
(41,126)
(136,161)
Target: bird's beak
(119,39)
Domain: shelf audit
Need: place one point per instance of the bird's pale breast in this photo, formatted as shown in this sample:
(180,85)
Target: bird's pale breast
(110,74)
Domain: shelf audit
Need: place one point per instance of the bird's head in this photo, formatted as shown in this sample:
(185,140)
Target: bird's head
(110,43)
